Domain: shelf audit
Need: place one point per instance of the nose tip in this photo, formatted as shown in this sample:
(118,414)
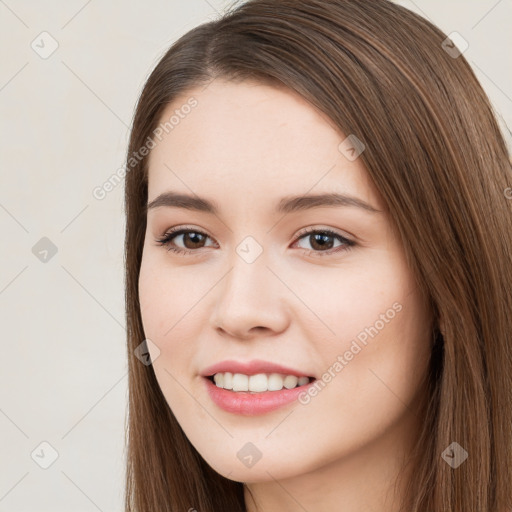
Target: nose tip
(248,304)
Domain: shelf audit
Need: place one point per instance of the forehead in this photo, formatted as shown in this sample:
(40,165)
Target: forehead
(250,138)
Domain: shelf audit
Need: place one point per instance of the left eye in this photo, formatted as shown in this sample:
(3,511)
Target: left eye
(321,241)
(324,240)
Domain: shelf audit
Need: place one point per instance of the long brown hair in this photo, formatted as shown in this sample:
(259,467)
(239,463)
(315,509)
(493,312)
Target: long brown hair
(436,154)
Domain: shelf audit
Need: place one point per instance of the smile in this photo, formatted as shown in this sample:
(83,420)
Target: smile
(255,394)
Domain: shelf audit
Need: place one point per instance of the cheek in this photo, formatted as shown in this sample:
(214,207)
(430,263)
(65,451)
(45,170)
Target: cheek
(157,317)
(163,295)
(381,329)
(387,355)
(164,321)
(350,301)
(151,299)
(171,303)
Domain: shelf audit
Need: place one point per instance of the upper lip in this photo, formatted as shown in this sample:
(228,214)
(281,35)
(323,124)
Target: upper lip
(251,368)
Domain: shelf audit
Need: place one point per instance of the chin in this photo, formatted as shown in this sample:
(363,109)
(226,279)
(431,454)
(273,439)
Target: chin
(262,471)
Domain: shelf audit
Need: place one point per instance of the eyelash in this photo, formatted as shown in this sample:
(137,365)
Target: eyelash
(165,241)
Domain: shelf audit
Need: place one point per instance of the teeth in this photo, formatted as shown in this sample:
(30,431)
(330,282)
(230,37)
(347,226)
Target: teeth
(290,381)
(275,382)
(240,382)
(228,381)
(219,379)
(258,383)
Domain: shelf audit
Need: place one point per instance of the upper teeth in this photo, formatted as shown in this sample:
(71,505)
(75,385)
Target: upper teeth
(258,383)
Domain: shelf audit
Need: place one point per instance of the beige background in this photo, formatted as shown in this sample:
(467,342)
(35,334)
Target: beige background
(64,129)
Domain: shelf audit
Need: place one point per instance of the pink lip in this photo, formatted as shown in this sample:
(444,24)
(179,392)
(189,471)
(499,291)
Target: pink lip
(251,368)
(250,404)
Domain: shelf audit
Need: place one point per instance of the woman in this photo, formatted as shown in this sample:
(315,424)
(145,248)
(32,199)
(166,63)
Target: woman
(318,269)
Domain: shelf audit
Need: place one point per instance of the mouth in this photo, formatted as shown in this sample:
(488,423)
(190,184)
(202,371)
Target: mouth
(259,383)
(251,395)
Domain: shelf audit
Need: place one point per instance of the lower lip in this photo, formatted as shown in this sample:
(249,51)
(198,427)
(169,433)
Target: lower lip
(251,404)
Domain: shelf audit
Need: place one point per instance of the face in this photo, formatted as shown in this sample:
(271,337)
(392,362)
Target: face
(320,288)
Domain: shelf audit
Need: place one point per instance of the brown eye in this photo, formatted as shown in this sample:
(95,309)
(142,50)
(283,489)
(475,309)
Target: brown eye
(322,241)
(196,239)
(190,238)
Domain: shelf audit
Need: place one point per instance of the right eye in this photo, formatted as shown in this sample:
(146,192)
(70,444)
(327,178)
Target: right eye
(191,236)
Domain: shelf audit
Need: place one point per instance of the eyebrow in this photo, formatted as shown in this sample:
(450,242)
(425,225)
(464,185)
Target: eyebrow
(287,204)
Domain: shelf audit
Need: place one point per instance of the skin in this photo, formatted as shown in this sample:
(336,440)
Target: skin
(245,146)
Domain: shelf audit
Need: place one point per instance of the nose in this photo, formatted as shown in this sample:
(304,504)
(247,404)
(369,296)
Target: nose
(251,300)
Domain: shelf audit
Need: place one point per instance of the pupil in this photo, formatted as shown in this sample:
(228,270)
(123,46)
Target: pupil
(194,237)
(322,240)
